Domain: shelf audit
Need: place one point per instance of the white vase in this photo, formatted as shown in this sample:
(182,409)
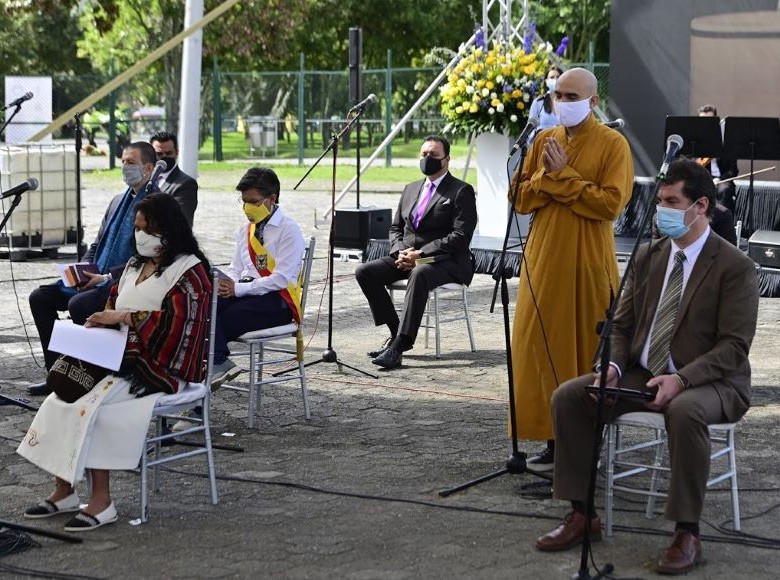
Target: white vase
(493,185)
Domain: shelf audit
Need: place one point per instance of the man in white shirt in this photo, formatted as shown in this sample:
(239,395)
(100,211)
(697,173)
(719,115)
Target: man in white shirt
(683,328)
(260,287)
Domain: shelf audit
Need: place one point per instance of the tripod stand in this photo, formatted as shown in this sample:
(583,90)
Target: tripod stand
(516,463)
(329,355)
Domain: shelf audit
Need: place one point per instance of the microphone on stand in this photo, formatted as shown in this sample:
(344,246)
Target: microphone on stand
(19,101)
(673,145)
(364,103)
(29,185)
(159,168)
(530,127)
(616,124)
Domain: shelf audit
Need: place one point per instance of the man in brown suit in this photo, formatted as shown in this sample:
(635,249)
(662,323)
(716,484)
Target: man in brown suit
(683,327)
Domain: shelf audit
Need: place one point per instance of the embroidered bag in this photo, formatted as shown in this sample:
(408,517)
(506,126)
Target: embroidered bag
(71,378)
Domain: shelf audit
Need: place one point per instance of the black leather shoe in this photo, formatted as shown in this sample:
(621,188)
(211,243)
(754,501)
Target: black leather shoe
(39,390)
(389,359)
(381,349)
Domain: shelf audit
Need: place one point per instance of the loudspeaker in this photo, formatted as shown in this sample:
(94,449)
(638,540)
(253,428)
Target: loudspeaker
(764,248)
(355,61)
(355,226)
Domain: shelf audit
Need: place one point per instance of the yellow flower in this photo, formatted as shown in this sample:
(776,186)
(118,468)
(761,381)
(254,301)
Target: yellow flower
(465,105)
(458,109)
(452,78)
(490,85)
(521,105)
(478,52)
(474,108)
(516,93)
(480,83)
(495,102)
(506,70)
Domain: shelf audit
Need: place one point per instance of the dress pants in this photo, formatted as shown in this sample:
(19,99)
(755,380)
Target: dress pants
(374,276)
(686,417)
(46,301)
(236,316)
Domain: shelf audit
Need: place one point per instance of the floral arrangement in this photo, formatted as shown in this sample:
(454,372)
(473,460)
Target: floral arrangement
(491,88)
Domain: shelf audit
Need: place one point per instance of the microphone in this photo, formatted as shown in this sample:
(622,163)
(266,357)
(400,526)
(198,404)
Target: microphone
(364,103)
(533,123)
(673,145)
(19,101)
(159,168)
(616,124)
(28,185)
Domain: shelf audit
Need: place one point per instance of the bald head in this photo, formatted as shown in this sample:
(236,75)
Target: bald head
(581,81)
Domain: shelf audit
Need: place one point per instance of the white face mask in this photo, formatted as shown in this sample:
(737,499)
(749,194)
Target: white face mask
(147,245)
(551,84)
(571,114)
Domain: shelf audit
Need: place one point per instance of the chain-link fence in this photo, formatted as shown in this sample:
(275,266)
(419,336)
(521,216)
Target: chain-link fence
(289,114)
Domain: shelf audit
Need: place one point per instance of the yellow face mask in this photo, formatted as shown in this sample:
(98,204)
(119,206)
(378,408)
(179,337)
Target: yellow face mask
(256,213)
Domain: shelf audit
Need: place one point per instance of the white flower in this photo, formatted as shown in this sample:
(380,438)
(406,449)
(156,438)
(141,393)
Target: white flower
(485,92)
(469,90)
(499,79)
(500,107)
(491,111)
(513,118)
(493,96)
(526,97)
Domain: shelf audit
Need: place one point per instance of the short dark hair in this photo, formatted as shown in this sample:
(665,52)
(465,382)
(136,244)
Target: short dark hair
(708,109)
(148,154)
(263,179)
(163,136)
(439,139)
(697,181)
(163,213)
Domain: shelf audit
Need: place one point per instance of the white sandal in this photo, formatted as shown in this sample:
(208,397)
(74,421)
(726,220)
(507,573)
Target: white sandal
(46,508)
(84,522)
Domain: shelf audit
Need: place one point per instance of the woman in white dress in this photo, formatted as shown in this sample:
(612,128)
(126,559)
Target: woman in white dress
(163,297)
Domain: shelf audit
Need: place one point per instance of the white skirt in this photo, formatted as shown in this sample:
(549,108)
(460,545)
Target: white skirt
(104,429)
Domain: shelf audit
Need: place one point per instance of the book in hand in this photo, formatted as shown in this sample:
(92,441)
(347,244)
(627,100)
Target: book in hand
(74,275)
(431,259)
(643,393)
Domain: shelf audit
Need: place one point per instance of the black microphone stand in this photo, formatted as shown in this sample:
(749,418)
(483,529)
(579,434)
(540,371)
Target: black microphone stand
(329,355)
(79,228)
(605,346)
(516,463)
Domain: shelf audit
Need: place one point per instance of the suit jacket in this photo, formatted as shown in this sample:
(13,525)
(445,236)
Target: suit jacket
(715,324)
(184,189)
(446,227)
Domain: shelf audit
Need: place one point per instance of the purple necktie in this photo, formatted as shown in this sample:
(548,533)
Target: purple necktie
(423,205)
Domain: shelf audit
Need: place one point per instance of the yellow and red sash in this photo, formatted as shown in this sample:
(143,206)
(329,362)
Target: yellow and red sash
(264,263)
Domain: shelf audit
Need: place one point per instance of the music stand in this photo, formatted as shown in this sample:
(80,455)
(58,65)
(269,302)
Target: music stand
(702,136)
(752,138)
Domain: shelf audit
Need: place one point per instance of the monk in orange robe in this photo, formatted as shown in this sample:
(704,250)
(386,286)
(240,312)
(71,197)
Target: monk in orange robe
(576,179)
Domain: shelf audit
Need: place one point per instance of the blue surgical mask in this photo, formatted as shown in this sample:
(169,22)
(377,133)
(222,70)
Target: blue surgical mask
(671,222)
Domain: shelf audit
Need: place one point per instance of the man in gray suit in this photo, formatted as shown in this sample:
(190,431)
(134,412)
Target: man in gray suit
(683,328)
(173,180)
(435,219)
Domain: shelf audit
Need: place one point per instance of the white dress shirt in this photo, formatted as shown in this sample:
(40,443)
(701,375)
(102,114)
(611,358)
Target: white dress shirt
(691,255)
(283,240)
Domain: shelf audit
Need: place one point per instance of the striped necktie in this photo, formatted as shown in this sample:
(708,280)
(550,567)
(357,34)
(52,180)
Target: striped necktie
(661,339)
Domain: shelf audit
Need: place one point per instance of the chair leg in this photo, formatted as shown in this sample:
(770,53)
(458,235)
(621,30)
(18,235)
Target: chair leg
(468,319)
(612,431)
(437,328)
(157,450)
(734,488)
(658,459)
(209,450)
(252,388)
(144,486)
(304,390)
(427,319)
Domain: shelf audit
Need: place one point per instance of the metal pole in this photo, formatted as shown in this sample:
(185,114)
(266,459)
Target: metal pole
(189,105)
(111,125)
(301,113)
(389,106)
(217,102)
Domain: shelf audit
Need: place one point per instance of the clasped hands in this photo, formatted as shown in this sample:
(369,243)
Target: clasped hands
(554,156)
(406,259)
(226,288)
(667,388)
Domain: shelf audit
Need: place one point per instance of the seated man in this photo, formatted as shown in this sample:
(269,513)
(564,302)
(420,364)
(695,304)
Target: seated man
(436,217)
(261,288)
(672,334)
(173,180)
(110,251)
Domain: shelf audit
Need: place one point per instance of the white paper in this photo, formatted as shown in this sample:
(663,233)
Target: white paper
(101,346)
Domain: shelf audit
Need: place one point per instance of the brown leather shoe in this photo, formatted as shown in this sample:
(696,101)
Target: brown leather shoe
(569,533)
(682,555)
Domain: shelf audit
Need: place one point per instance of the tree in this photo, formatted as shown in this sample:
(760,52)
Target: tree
(583,22)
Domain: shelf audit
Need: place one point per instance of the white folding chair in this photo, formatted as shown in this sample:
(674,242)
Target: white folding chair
(620,467)
(257,339)
(169,407)
(450,292)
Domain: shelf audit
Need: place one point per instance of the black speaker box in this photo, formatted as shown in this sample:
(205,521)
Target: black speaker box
(355,63)
(764,248)
(355,226)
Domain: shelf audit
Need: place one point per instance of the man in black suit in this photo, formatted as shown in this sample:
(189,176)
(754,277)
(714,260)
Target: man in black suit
(721,169)
(435,219)
(174,181)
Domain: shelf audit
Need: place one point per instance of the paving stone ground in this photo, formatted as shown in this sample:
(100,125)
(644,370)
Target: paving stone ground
(353,492)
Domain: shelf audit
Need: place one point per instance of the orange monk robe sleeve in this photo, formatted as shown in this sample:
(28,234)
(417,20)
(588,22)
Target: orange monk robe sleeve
(530,197)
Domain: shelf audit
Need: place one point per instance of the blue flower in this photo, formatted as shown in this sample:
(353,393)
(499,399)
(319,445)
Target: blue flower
(507,88)
(562,47)
(479,38)
(528,41)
